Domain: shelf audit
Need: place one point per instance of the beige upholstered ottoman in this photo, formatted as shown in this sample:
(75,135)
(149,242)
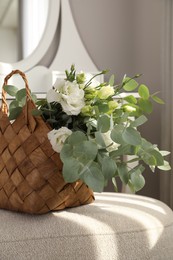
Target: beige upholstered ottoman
(115,226)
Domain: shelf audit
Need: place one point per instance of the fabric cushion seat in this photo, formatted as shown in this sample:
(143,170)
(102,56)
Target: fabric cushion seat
(115,226)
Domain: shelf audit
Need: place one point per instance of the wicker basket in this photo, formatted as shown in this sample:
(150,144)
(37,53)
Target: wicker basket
(31,178)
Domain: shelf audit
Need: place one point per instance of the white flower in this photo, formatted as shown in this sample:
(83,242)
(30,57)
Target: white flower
(69,95)
(58,137)
(112,146)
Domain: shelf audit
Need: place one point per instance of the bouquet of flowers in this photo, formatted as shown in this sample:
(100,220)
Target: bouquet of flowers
(95,128)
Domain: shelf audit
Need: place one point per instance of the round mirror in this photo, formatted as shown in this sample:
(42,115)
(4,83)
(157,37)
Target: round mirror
(22,24)
(34,28)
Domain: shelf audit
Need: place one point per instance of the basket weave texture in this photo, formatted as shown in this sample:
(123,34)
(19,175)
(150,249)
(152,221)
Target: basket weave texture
(31,178)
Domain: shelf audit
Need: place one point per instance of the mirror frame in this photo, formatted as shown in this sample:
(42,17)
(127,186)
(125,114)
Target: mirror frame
(33,60)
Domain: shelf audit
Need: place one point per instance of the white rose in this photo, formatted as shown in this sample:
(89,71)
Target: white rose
(58,137)
(112,146)
(69,95)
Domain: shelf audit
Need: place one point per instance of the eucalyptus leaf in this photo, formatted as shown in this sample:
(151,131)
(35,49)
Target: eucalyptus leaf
(129,84)
(112,80)
(14,113)
(34,97)
(143,91)
(36,112)
(122,150)
(103,123)
(76,138)
(100,140)
(109,167)
(116,134)
(115,184)
(93,177)
(145,105)
(87,150)
(139,121)
(11,90)
(157,99)
(137,180)
(123,173)
(66,152)
(164,153)
(165,167)
(71,169)
(13,105)
(131,99)
(158,157)
(103,108)
(131,136)
(21,94)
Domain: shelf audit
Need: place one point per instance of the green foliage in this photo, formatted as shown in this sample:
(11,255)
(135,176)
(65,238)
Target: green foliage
(104,134)
(15,107)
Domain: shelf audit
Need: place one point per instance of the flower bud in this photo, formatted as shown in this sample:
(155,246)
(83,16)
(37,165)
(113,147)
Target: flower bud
(86,110)
(80,78)
(106,92)
(128,108)
(90,93)
(112,105)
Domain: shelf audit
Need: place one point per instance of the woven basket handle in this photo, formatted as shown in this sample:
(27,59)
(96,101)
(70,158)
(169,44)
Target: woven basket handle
(4,106)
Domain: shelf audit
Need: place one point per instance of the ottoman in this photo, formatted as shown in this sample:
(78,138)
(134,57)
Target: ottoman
(115,226)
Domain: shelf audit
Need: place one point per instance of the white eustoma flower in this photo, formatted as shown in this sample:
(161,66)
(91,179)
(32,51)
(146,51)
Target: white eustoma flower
(111,145)
(58,137)
(69,95)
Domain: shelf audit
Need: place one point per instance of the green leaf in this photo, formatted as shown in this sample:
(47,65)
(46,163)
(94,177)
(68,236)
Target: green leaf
(99,139)
(144,92)
(137,180)
(112,80)
(14,113)
(131,99)
(123,173)
(86,150)
(34,97)
(122,150)
(36,112)
(145,105)
(131,136)
(157,99)
(41,102)
(109,167)
(13,105)
(115,184)
(139,121)
(103,123)
(11,90)
(71,168)
(66,152)
(116,134)
(103,108)
(146,145)
(164,153)
(165,167)
(76,138)
(21,94)
(158,157)
(93,177)
(129,84)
